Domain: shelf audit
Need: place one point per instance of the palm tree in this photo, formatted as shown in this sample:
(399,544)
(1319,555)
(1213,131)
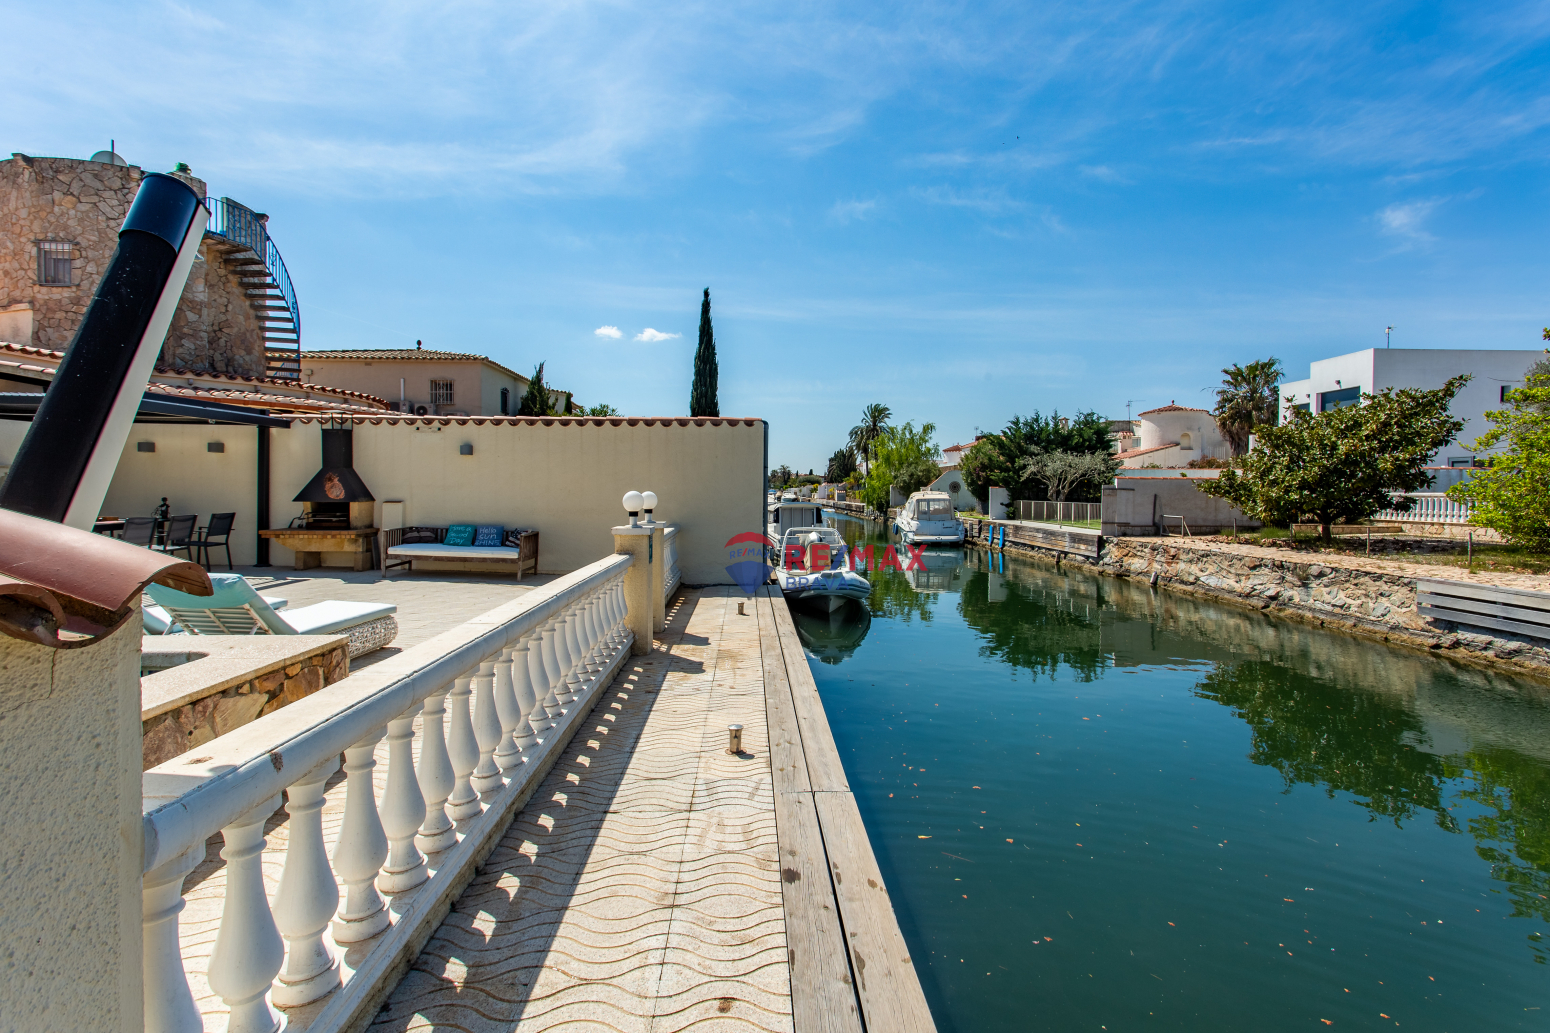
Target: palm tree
(873,419)
(841,465)
(1247,399)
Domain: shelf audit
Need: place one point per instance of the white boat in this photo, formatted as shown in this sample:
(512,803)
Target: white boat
(792,512)
(927,518)
(812,571)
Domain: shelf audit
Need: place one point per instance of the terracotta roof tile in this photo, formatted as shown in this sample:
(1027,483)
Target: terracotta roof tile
(1170,407)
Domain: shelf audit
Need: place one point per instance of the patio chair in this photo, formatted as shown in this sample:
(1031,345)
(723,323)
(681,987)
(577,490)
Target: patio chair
(235,609)
(217,533)
(179,530)
(139,530)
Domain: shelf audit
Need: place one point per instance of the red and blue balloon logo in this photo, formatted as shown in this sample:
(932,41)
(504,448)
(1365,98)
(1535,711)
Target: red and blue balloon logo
(748,556)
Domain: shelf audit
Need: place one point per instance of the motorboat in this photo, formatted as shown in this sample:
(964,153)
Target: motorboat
(812,570)
(927,518)
(789,513)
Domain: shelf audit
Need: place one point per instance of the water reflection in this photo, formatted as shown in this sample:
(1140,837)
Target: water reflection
(831,637)
(1405,736)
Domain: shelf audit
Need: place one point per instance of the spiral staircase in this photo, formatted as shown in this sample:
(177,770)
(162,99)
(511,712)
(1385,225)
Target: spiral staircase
(250,256)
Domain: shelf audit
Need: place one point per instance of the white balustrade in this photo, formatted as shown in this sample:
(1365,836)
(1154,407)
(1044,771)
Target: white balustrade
(307,896)
(502,697)
(248,949)
(1430,508)
(362,847)
(436,779)
(509,709)
(463,748)
(403,809)
(486,777)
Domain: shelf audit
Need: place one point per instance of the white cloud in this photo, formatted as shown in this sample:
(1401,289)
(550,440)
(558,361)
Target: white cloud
(1407,220)
(608,331)
(843,212)
(1102,172)
(649,334)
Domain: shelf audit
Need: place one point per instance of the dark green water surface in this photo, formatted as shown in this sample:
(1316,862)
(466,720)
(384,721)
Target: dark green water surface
(1103,807)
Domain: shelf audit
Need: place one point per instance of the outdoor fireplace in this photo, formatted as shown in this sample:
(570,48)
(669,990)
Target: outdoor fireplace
(337,511)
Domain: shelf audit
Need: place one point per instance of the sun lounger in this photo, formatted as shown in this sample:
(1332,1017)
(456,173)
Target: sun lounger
(235,609)
(157,621)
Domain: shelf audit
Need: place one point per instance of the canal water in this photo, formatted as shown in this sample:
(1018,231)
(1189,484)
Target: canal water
(1100,806)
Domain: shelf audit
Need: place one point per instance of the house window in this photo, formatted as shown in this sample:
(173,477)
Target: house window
(441,392)
(1338,399)
(1505,389)
(505,401)
(54,263)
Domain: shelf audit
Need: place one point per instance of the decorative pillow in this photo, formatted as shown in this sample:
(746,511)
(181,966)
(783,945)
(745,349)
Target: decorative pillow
(488,536)
(459,534)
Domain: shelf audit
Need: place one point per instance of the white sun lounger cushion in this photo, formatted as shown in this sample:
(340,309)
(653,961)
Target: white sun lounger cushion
(334,616)
(157,620)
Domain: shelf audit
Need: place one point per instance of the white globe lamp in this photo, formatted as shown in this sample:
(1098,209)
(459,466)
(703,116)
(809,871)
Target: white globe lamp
(649,499)
(633,502)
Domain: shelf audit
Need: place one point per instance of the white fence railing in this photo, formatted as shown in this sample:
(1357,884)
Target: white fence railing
(494,700)
(1060,512)
(671,576)
(1431,507)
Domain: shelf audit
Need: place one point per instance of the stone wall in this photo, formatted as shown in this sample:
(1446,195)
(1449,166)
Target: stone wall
(1351,599)
(173,733)
(85,202)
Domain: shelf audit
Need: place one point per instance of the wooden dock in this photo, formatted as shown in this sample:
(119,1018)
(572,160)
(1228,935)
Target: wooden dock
(655,882)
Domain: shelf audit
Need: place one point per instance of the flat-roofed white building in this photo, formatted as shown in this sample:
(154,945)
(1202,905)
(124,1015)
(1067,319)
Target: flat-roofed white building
(1343,379)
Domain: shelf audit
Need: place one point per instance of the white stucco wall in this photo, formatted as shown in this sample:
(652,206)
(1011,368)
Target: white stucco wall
(1428,368)
(71,855)
(565,479)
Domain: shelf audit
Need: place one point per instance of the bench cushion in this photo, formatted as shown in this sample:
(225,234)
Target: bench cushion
(460,535)
(488,536)
(425,551)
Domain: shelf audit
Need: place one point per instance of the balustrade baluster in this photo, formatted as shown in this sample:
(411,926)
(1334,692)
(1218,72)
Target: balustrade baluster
(361,849)
(307,896)
(553,676)
(248,950)
(169,1004)
(486,776)
(572,661)
(463,748)
(594,626)
(435,777)
(508,754)
(621,613)
(403,809)
(526,733)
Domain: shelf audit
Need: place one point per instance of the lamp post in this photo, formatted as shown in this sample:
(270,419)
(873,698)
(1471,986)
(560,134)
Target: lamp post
(1388,335)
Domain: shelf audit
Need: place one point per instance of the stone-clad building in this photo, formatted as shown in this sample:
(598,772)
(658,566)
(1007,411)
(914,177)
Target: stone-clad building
(59,221)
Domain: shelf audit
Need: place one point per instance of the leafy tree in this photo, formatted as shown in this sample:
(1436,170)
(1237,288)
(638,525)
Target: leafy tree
(537,400)
(1342,464)
(1247,400)
(1512,495)
(1062,471)
(603,410)
(702,395)
(906,459)
(1000,460)
(874,420)
(781,476)
(841,465)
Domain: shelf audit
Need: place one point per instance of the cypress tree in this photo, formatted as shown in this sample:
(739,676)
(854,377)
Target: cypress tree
(702,395)
(536,401)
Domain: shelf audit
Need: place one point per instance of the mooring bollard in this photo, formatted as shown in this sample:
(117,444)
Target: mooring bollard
(734,739)
(740,610)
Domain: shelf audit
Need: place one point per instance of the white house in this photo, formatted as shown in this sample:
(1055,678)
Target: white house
(1172,436)
(1343,379)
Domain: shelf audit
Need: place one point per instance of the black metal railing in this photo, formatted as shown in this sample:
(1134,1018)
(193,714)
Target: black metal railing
(241,225)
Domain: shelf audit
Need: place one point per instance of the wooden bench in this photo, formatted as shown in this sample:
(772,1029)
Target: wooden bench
(1485,606)
(401,546)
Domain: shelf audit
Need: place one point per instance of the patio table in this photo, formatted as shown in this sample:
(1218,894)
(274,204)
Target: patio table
(110,526)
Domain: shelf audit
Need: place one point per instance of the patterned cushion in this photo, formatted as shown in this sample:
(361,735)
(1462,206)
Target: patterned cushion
(487,535)
(459,534)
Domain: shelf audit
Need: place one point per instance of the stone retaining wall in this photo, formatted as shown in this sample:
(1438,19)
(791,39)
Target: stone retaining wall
(1361,601)
(170,734)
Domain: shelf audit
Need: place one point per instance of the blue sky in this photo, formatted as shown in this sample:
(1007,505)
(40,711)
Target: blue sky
(966,211)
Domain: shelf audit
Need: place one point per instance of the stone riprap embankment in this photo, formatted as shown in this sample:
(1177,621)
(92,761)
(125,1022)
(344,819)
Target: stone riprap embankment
(1367,596)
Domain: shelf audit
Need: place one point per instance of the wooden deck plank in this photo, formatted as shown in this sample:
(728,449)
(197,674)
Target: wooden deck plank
(823,997)
(788,766)
(886,981)
(824,770)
